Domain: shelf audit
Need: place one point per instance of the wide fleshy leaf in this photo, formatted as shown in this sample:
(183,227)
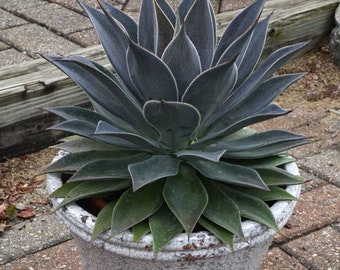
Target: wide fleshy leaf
(262,96)
(221,129)
(251,52)
(272,161)
(165,27)
(152,169)
(221,233)
(183,60)
(239,29)
(103,221)
(134,207)
(104,91)
(74,161)
(107,169)
(275,193)
(252,207)
(139,230)
(200,29)
(183,9)
(127,22)
(229,173)
(148,26)
(90,189)
(114,41)
(200,154)
(267,150)
(261,74)
(186,197)
(142,143)
(164,227)
(254,141)
(182,120)
(80,144)
(64,190)
(208,91)
(150,75)
(168,11)
(278,177)
(222,210)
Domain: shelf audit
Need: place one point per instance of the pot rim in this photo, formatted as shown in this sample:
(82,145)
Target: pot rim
(81,224)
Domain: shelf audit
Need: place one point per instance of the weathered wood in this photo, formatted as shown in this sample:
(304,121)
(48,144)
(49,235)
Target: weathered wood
(27,88)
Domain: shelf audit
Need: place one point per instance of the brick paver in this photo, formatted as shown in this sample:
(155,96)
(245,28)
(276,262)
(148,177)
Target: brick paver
(9,20)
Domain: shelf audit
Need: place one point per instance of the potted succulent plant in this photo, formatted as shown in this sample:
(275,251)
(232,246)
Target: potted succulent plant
(182,182)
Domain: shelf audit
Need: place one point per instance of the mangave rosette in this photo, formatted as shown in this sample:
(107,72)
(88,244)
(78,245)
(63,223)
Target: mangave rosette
(166,145)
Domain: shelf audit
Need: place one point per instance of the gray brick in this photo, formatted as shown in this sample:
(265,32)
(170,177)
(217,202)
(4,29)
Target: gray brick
(9,20)
(32,38)
(57,18)
(84,38)
(4,46)
(12,56)
(16,5)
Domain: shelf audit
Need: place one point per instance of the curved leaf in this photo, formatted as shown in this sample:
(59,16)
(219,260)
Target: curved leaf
(152,169)
(252,207)
(175,121)
(168,11)
(224,235)
(139,230)
(222,210)
(107,169)
(165,27)
(114,41)
(148,26)
(251,52)
(90,189)
(150,75)
(183,9)
(208,91)
(134,207)
(239,29)
(229,173)
(200,154)
(186,197)
(103,221)
(127,22)
(183,60)
(81,144)
(278,177)
(164,227)
(200,28)
(64,190)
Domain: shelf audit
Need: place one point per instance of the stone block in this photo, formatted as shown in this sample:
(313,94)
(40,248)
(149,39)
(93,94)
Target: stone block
(84,38)
(44,41)
(318,250)
(12,56)
(9,20)
(17,5)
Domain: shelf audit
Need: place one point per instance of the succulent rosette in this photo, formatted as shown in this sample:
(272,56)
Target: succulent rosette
(166,144)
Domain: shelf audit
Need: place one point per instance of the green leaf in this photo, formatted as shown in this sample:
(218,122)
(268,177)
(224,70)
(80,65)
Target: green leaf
(272,161)
(275,193)
(80,144)
(229,173)
(278,177)
(201,30)
(103,221)
(183,60)
(238,29)
(222,210)
(194,154)
(139,230)
(134,207)
(148,26)
(74,161)
(107,169)
(152,169)
(224,235)
(165,25)
(252,207)
(209,90)
(182,120)
(64,190)
(164,227)
(92,189)
(186,197)
(151,76)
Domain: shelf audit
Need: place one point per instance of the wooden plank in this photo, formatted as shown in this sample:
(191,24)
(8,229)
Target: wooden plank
(27,88)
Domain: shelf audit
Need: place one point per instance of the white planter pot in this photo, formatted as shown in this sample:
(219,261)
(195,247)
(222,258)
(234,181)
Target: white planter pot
(202,251)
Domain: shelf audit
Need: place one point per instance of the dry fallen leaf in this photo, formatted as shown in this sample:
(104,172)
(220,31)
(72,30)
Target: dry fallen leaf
(26,213)
(3,208)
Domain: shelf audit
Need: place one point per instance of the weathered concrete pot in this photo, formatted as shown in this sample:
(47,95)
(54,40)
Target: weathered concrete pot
(201,251)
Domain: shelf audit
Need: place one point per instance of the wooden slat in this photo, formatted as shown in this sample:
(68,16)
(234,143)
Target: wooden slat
(27,88)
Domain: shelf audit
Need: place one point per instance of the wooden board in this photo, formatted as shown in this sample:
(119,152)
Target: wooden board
(27,88)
